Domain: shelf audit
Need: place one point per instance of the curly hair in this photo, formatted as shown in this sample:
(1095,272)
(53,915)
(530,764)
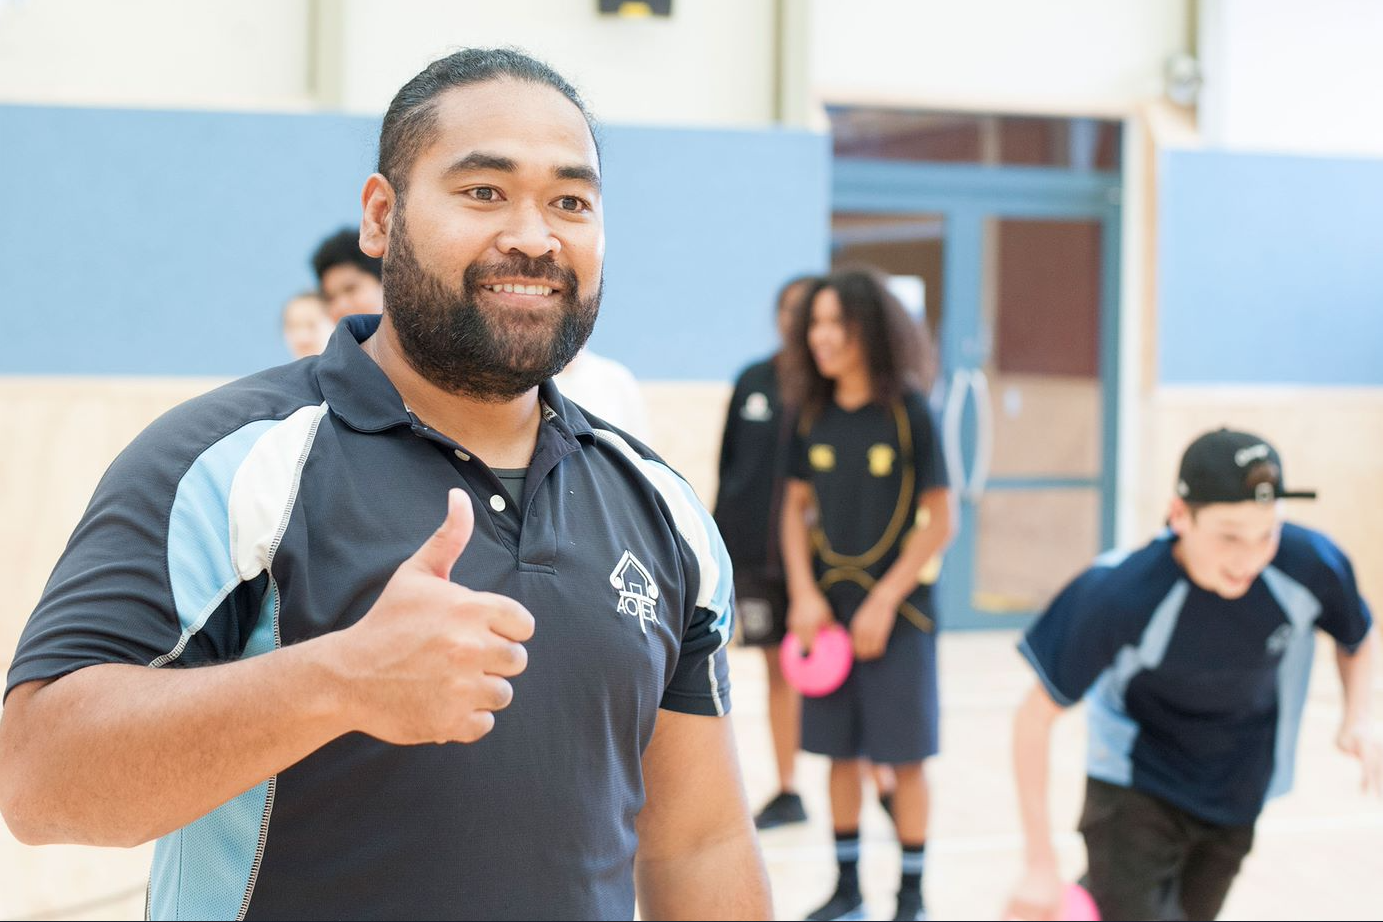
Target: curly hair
(897,350)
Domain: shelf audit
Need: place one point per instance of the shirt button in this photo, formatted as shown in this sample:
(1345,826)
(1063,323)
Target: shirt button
(497,503)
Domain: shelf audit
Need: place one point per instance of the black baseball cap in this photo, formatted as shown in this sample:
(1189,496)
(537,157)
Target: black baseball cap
(1216,469)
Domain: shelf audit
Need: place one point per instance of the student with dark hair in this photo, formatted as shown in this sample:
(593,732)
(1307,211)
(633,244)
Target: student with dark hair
(348,277)
(1192,655)
(261,649)
(753,456)
(866,515)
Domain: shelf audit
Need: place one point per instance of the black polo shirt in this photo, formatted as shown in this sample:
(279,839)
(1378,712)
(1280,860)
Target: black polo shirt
(868,467)
(275,509)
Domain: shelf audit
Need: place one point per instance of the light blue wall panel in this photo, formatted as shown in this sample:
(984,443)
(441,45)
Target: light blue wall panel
(1269,269)
(140,242)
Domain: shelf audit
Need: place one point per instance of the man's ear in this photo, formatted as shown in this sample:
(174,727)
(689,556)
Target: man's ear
(377,215)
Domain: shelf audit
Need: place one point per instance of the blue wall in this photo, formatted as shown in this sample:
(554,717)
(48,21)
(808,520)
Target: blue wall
(166,242)
(1269,269)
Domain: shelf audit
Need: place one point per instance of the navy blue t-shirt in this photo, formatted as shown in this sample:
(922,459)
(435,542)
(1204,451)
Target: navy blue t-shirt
(274,510)
(868,468)
(1196,699)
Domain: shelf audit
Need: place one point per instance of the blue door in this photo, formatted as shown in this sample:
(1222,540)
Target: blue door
(1027,263)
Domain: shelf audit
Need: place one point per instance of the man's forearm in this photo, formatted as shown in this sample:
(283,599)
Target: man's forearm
(118,755)
(724,880)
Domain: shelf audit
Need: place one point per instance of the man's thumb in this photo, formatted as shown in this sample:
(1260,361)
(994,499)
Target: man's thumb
(439,552)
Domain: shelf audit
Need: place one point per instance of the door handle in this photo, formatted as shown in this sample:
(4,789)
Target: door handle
(950,428)
(984,437)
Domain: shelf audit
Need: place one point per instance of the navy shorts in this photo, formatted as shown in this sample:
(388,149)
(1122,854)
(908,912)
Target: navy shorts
(886,711)
(761,608)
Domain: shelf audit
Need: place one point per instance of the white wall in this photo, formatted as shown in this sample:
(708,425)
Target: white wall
(1057,56)
(156,53)
(1292,76)
(715,62)
(712,63)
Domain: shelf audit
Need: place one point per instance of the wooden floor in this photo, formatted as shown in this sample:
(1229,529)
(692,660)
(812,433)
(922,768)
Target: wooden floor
(1319,853)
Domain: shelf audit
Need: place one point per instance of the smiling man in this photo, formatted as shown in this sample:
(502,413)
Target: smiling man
(1193,656)
(353,712)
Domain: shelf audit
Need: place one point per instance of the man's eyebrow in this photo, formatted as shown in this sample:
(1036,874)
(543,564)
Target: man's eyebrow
(478,160)
(580,174)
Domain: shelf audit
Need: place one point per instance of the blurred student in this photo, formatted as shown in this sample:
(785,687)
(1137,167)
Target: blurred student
(306,324)
(1193,656)
(753,454)
(348,278)
(866,512)
(607,389)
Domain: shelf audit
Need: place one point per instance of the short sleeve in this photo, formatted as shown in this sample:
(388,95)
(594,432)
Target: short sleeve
(701,680)
(1344,615)
(155,529)
(928,459)
(169,564)
(1077,637)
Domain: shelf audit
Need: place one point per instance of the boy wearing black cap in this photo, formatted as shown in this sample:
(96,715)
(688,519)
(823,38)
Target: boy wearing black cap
(1193,656)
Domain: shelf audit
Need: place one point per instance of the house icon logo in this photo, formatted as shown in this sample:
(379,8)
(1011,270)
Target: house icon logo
(638,594)
(756,408)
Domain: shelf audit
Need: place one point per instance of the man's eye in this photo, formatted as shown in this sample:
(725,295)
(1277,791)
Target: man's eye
(484,194)
(572,203)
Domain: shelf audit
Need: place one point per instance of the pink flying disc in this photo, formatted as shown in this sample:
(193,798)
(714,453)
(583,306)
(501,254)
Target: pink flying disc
(1077,905)
(821,671)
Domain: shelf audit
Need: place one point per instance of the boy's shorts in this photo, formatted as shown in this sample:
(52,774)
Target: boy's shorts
(1152,860)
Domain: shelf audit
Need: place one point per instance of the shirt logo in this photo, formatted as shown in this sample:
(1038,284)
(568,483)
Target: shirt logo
(638,594)
(1277,640)
(756,408)
(881,459)
(822,457)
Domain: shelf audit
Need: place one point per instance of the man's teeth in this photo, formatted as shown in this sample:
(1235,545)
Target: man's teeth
(521,289)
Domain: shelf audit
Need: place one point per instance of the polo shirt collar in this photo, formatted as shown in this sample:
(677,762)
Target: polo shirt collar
(361,394)
(355,387)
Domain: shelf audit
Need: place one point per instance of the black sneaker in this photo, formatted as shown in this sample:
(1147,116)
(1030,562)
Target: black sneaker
(910,909)
(843,906)
(780,811)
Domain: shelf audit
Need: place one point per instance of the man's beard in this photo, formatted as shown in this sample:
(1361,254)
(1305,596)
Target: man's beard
(487,353)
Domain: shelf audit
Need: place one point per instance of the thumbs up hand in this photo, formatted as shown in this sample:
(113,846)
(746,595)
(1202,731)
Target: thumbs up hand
(429,662)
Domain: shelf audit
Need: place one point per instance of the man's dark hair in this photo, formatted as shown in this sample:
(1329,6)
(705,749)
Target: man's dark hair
(343,248)
(897,349)
(411,120)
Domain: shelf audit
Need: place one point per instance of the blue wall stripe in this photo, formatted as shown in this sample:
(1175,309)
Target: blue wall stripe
(161,242)
(1268,269)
